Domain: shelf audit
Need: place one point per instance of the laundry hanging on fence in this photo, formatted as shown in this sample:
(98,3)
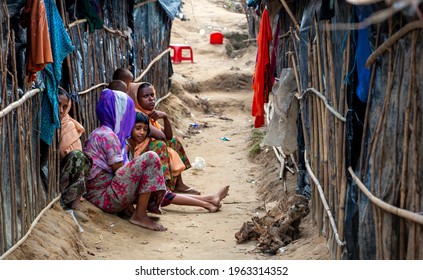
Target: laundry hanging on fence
(362,54)
(91,10)
(262,77)
(39,52)
(61,46)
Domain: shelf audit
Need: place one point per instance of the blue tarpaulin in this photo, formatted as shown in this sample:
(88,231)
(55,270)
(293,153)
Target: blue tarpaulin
(171,7)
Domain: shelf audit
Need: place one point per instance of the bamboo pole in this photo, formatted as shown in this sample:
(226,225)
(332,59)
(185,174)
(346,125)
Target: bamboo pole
(341,145)
(3,60)
(403,213)
(324,202)
(321,115)
(392,39)
(326,135)
(291,15)
(325,102)
(414,244)
(13,200)
(151,64)
(310,143)
(318,142)
(34,223)
(405,146)
(18,103)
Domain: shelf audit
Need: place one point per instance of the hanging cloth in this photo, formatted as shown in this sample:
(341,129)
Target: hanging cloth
(91,10)
(61,46)
(262,76)
(39,52)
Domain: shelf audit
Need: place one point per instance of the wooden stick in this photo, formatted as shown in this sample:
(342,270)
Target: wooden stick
(325,204)
(414,241)
(405,145)
(392,39)
(326,103)
(291,15)
(34,223)
(151,64)
(403,213)
(18,103)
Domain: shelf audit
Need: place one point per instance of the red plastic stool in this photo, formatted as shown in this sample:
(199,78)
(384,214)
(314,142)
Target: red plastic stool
(216,37)
(177,56)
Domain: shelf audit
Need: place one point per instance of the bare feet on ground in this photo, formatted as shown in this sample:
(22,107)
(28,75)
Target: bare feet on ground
(76,205)
(216,199)
(147,223)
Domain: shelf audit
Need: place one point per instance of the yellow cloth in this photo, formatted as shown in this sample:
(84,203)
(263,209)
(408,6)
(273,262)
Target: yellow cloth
(70,134)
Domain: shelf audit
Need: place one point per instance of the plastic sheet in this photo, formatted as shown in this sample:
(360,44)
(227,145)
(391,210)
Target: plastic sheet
(282,131)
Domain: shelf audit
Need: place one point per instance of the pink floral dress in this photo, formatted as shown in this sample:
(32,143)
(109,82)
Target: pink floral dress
(114,192)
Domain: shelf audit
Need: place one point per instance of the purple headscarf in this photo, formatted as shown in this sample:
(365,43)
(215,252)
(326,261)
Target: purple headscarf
(116,110)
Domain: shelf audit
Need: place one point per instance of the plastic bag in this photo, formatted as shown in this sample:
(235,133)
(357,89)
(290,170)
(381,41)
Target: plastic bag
(199,163)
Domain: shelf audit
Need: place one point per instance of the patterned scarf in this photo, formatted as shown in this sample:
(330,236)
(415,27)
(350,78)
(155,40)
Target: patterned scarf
(116,110)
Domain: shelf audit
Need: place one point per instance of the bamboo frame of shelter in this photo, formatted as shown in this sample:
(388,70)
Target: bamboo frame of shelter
(86,72)
(393,123)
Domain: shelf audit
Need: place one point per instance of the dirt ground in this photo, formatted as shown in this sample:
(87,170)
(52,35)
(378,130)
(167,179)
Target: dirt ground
(215,93)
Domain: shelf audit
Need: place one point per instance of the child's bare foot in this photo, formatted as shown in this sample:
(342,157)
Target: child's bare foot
(223,192)
(212,208)
(147,223)
(76,205)
(219,196)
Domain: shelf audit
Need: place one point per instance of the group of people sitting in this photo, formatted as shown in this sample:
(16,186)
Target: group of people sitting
(130,165)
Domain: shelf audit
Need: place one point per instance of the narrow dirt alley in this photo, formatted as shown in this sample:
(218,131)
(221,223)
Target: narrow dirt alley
(213,93)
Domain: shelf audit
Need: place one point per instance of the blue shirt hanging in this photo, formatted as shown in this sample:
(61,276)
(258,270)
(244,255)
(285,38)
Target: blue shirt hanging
(362,53)
(61,46)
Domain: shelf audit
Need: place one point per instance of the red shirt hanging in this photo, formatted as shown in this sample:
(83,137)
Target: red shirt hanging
(262,82)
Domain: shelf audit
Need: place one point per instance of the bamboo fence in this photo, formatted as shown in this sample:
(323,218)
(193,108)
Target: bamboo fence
(388,160)
(24,190)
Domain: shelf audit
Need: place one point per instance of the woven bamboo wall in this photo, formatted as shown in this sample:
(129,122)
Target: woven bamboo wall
(86,72)
(366,191)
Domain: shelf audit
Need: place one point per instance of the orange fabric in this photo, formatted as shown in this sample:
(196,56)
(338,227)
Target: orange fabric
(70,134)
(175,161)
(139,149)
(261,79)
(39,52)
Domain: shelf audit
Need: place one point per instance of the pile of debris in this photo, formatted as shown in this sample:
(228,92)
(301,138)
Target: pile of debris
(276,229)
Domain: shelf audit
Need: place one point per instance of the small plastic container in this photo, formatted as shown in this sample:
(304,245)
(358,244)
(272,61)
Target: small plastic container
(216,38)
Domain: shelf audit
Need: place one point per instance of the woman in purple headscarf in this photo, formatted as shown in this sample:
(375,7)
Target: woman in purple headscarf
(114,184)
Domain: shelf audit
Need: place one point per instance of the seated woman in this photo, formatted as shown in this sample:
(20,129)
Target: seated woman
(145,102)
(115,184)
(74,164)
(135,147)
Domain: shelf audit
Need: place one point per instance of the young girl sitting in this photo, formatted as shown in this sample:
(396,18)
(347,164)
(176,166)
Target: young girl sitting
(116,184)
(74,164)
(135,146)
(144,96)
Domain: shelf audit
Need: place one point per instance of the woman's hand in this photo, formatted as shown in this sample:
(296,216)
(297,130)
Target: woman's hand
(155,115)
